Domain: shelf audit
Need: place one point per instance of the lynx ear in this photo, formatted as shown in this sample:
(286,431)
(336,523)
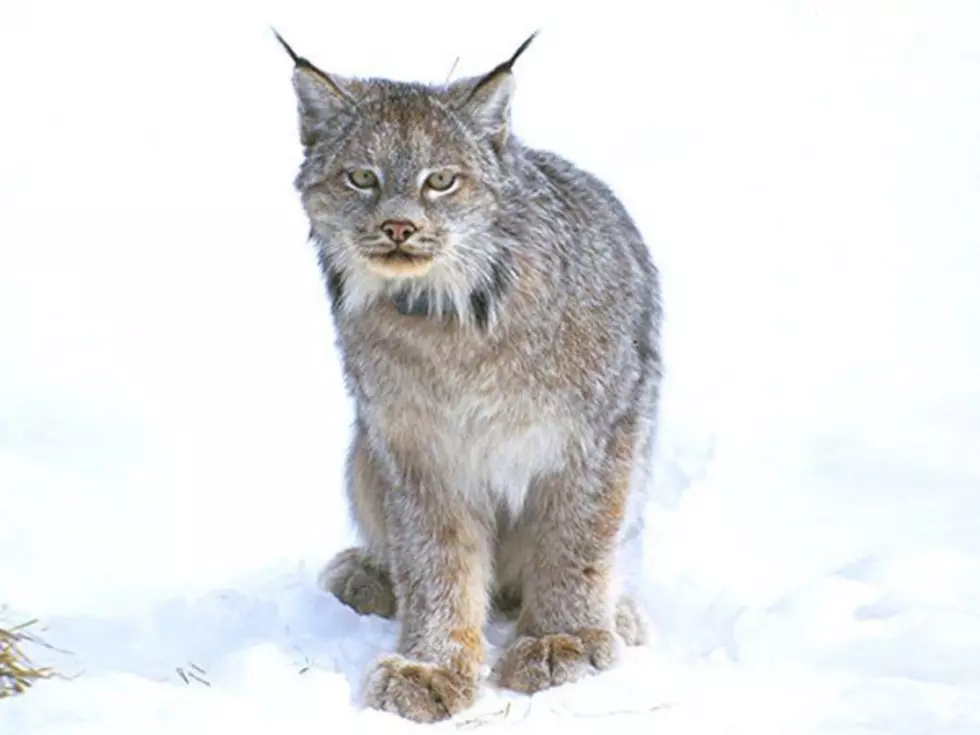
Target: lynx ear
(322,99)
(486,100)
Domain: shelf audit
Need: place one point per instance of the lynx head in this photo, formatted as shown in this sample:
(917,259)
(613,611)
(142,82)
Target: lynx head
(403,185)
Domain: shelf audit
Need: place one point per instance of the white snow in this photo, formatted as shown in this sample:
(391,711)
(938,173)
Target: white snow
(173,422)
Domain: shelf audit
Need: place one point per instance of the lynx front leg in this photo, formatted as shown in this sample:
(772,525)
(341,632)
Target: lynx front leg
(567,625)
(439,558)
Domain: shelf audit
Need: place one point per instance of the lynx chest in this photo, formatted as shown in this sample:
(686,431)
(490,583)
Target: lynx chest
(486,432)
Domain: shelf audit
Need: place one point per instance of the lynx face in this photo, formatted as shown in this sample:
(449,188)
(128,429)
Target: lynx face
(401,183)
(407,191)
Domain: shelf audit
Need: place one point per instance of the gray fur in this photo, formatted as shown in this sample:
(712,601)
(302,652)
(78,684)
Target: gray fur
(506,385)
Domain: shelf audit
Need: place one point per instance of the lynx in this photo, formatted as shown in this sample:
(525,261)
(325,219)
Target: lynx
(497,316)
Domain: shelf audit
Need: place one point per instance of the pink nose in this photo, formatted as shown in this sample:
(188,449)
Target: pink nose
(398,231)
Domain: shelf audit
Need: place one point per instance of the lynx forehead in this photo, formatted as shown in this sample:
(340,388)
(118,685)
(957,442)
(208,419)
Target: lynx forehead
(498,320)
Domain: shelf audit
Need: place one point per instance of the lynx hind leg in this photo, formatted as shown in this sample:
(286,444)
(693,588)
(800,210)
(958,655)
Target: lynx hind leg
(360,582)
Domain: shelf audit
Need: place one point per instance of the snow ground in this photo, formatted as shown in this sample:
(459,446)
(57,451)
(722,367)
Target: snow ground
(172,421)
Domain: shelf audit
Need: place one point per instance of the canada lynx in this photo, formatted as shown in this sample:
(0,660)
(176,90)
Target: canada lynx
(498,320)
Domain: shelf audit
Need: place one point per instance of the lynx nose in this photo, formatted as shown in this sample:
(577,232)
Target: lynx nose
(398,231)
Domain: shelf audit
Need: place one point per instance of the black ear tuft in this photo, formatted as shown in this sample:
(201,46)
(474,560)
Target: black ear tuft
(486,100)
(322,98)
(297,60)
(502,68)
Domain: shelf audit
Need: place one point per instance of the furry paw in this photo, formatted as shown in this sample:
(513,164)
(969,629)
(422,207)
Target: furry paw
(532,664)
(417,691)
(360,583)
(631,624)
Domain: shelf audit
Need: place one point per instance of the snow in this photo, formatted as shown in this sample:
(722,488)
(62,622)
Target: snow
(173,424)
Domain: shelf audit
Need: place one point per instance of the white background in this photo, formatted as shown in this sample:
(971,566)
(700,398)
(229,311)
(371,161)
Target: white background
(172,417)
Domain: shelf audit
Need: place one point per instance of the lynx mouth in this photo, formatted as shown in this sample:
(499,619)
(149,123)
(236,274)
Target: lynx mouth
(399,262)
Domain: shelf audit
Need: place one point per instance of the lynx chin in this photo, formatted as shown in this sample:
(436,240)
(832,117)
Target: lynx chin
(498,321)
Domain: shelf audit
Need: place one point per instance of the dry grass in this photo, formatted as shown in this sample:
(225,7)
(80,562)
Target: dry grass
(17,672)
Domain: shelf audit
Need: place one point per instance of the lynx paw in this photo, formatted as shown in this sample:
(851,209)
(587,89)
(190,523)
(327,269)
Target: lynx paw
(532,664)
(360,583)
(417,691)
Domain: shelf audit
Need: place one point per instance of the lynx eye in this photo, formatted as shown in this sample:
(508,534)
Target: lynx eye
(363,178)
(441,181)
